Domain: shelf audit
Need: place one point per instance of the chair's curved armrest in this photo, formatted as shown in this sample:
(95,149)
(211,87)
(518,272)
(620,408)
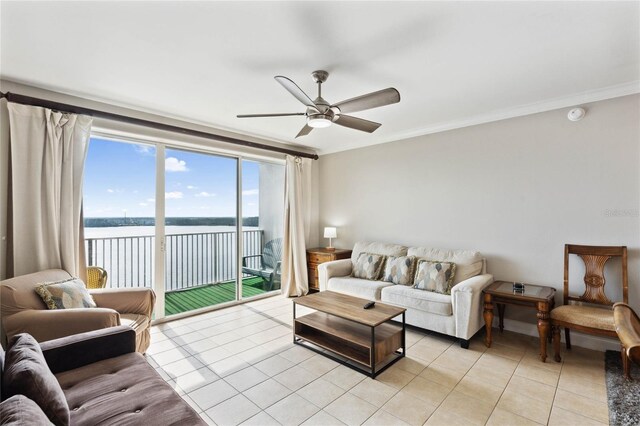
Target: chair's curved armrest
(336,268)
(51,324)
(244,258)
(138,301)
(75,351)
(278,268)
(628,329)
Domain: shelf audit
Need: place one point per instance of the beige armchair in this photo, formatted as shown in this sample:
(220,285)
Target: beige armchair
(23,311)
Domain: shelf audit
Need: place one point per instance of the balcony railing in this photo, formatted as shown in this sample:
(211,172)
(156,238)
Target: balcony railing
(191,260)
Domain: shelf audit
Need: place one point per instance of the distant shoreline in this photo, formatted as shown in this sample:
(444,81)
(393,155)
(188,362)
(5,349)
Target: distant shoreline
(112,222)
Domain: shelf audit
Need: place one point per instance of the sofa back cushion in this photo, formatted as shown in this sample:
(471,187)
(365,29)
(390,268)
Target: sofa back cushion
(435,276)
(18,294)
(399,270)
(21,411)
(377,248)
(469,263)
(26,373)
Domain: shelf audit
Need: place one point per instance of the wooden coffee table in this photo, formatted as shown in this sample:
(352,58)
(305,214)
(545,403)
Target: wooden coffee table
(363,339)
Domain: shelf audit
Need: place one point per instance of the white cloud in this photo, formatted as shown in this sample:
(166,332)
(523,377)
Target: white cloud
(205,194)
(151,200)
(173,195)
(250,192)
(143,204)
(172,164)
(144,149)
(110,191)
(191,187)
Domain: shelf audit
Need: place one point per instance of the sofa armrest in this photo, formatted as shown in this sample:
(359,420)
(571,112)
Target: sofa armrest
(336,268)
(51,324)
(138,301)
(466,298)
(75,351)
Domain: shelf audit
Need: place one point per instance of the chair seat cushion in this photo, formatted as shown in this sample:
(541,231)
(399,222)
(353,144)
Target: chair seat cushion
(123,391)
(587,316)
(138,322)
(366,289)
(409,297)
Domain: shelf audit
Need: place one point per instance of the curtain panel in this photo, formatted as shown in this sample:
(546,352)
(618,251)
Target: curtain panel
(297,218)
(47,155)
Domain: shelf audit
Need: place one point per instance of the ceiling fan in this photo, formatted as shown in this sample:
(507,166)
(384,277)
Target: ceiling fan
(321,113)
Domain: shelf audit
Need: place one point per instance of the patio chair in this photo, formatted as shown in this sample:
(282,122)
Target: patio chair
(270,264)
(96,277)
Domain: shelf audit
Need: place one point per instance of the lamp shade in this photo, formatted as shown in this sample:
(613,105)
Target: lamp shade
(330,232)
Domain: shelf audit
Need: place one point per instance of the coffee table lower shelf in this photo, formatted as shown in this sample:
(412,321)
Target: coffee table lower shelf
(370,350)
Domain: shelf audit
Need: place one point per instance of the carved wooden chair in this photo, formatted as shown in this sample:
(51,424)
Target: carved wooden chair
(628,329)
(590,313)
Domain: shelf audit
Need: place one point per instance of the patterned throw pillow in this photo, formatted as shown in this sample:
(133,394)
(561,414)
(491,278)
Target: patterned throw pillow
(399,270)
(368,266)
(435,276)
(67,294)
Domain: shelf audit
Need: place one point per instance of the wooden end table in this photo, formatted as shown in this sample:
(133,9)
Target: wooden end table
(540,298)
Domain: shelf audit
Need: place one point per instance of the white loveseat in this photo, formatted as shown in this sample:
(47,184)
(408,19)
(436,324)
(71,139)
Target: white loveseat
(458,314)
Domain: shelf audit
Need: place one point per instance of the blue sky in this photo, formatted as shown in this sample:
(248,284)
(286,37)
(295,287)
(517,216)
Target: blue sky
(120,177)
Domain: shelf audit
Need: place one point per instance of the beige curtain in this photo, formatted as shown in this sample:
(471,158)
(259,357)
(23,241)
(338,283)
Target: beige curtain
(47,151)
(297,216)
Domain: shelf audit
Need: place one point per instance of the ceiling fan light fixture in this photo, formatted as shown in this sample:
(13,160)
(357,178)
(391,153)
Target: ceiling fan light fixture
(319,120)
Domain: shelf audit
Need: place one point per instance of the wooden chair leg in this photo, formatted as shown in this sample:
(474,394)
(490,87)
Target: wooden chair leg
(555,330)
(626,367)
(567,337)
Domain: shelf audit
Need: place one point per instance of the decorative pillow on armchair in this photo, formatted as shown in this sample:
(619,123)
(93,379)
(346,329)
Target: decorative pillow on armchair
(399,270)
(368,266)
(435,276)
(66,294)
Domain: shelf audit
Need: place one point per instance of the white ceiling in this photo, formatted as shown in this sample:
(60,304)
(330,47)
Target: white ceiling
(454,63)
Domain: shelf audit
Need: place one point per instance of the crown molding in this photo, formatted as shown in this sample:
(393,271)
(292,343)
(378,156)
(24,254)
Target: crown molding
(602,94)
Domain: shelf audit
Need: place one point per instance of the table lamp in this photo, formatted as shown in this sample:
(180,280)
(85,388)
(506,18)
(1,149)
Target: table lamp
(330,232)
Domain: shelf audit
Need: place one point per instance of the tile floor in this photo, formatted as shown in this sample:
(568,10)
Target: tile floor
(239,366)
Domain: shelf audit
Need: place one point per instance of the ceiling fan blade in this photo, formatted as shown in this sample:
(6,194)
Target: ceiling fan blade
(286,114)
(371,100)
(297,92)
(305,131)
(357,123)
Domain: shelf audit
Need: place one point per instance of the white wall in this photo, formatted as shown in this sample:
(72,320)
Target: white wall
(517,190)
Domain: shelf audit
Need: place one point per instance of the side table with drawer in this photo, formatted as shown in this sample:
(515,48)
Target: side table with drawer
(316,256)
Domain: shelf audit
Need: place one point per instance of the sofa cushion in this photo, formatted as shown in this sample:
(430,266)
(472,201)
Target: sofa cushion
(377,248)
(411,298)
(66,294)
(123,391)
(368,266)
(435,276)
(26,373)
(469,263)
(21,411)
(357,287)
(399,270)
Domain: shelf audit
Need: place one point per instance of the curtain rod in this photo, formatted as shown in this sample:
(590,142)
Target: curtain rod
(28,100)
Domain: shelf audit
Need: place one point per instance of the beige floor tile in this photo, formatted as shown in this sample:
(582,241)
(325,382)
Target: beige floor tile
(532,358)
(581,405)
(297,354)
(189,338)
(213,355)
(321,392)
(510,352)
(444,418)
(182,366)
(318,364)
(228,366)
(344,377)
(274,365)
(373,391)
(531,389)
(412,365)
(196,379)
(443,375)
(532,409)
(212,394)
(160,346)
(246,378)
(292,410)
(255,354)
(501,417)
(207,419)
(497,363)
(474,410)
(238,346)
(172,355)
(350,409)
(431,392)
(538,374)
(233,411)
(480,389)
(383,418)
(562,417)
(395,377)
(583,387)
(581,372)
(322,418)
(267,393)
(409,409)
(295,377)
(200,346)
(487,374)
(261,419)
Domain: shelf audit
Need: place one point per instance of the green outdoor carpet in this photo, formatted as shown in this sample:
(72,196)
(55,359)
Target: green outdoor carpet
(209,295)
